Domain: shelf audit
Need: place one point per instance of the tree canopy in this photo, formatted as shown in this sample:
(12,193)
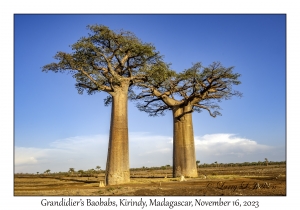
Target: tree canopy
(198,86)
(104,59)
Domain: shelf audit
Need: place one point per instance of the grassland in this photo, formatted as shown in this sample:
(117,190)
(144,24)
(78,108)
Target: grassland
(212,181)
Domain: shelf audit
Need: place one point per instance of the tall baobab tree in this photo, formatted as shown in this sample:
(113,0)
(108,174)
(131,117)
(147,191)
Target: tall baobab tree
(194,89)
(112,62)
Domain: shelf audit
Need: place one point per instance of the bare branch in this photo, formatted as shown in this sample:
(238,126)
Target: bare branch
(101,87)
(205,107)
(149,102)
(87,86)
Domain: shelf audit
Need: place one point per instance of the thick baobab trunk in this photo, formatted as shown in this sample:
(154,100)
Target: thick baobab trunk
(184,158)
(117,165)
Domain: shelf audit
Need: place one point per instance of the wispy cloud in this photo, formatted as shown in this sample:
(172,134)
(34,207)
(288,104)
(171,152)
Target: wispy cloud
(85,152)
(80,152)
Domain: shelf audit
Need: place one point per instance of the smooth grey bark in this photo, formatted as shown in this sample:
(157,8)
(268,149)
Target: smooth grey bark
(184,157)
(117,165)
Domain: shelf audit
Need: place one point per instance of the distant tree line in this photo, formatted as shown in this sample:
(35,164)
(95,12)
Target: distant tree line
(92,172)
(258,163)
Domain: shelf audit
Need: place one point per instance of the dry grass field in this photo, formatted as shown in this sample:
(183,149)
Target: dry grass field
(212,181)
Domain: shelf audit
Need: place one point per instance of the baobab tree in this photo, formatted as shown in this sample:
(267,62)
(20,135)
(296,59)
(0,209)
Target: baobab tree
(71,170)
(197,163)
(266,161)
(98,168)
(111,62)
(194,89)
(47,171)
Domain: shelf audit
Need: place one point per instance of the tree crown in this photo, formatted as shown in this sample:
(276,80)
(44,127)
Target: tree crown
(198,87)
(106,60)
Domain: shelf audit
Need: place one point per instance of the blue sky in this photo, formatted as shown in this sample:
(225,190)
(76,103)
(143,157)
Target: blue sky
(56,128)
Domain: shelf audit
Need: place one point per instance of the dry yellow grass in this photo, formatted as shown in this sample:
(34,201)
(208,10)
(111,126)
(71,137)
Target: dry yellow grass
(155,183)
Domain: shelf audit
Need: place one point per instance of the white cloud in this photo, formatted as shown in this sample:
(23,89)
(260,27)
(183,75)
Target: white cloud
(232,148)
(150,150)
(81,152)
(85,152)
